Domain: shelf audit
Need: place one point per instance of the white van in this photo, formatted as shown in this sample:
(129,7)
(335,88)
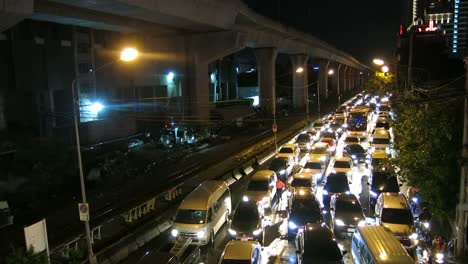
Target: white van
(393,212)
(380,139)
(203,212)
(377,245)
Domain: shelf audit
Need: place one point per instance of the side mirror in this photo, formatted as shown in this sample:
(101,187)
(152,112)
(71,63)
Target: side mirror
(400,184)
(368,183)
(344,252)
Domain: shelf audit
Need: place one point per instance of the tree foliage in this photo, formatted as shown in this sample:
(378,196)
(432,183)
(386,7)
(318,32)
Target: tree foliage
(380,83)
(428,142)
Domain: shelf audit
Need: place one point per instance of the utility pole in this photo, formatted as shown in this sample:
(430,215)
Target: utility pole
(462,207)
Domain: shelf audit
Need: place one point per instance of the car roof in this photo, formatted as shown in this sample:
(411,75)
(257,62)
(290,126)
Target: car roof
(342,159)
(302,175)
(289,145)
(236,249)
(262,175)
(346,197)
(315,160)
(318,232)
(380,154)
(198,199)
(320,145)
(394,200)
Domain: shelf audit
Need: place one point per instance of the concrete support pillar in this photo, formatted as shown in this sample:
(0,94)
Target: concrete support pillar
(14,11)
(341,79)
(200,53)
(349,80)
(266,59)
(300,81)
(322,89)
(334,80)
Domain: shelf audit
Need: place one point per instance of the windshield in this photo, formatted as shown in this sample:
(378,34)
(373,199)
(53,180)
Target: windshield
(185,216)
(337,184)
(348,206)
(318,151)
(258,186)
(286,150)
(384,108)
(380,141)
(352,140)
(397,216)
(342,164)
(378,162)
(355,149)
(303,138)
(313,165)
(236,261)
(277,164)
(322,250)
(301,183)
(384,125)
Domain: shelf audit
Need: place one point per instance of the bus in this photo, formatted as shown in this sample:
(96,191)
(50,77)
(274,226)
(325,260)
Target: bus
(378,245)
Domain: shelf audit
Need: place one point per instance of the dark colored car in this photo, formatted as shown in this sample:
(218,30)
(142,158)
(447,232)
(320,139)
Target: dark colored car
(346,213)
(382,182)
(304,141)
(246,223)
(356,153)
(335,183)
(317,244)
(305,208)
(281,167)
(337,128)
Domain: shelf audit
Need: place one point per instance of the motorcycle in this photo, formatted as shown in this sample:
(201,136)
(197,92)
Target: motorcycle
(423,228)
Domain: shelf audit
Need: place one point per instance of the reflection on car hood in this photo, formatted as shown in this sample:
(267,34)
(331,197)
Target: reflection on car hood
(398,229)
(350,218)
(257,195)
(245,226)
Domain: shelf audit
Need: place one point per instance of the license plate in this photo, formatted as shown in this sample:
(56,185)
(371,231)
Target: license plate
(245,238)
(351,230)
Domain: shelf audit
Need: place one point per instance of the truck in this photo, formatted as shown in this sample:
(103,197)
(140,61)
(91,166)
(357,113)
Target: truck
(181,252)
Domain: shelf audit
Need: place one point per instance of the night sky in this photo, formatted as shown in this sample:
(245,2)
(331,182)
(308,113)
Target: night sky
(363,28)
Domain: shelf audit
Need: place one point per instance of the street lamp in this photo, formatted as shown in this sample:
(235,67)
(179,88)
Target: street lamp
(299,70)
(378,61)
(128,54)
(331,72)
(385,69)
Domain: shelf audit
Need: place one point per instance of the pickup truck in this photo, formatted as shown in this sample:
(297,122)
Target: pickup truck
(181,252)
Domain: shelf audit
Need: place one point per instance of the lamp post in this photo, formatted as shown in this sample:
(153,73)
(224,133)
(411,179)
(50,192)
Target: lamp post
(127,54)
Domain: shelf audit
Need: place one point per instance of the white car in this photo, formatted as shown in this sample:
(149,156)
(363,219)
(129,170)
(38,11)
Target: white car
(237,251)
(289,151)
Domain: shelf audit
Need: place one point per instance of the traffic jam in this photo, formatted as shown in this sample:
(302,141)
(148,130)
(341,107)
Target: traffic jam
(329,195)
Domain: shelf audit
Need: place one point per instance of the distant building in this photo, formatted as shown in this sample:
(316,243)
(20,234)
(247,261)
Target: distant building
(460,27)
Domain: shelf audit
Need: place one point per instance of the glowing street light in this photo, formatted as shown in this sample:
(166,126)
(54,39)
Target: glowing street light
(128,54)
(299,70)
(385,69)
(331,72)
(379,62)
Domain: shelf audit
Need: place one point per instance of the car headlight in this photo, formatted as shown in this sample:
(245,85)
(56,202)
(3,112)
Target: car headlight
(174,232)
(413,236)
(282,172)
(339,222)
(257,232)
(323,158)
(265,201)
(339,130)
(439,257)
(232,232)
(353,156)
(325,192)
(362,223)
(387,150)
(373,194)
(200,234)
(372,149)
(426,224)
(308,145)
(292,225)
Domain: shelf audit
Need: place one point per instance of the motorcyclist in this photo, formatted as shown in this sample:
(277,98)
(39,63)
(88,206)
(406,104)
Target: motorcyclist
(425,216)
(438,244)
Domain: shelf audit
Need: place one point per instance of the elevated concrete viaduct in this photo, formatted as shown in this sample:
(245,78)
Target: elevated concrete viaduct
(197,32)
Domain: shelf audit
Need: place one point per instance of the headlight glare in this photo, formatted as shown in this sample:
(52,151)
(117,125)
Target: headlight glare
(339,222)
(257,232)
(292,225)
(232,232)
(201,234)
(174,232)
